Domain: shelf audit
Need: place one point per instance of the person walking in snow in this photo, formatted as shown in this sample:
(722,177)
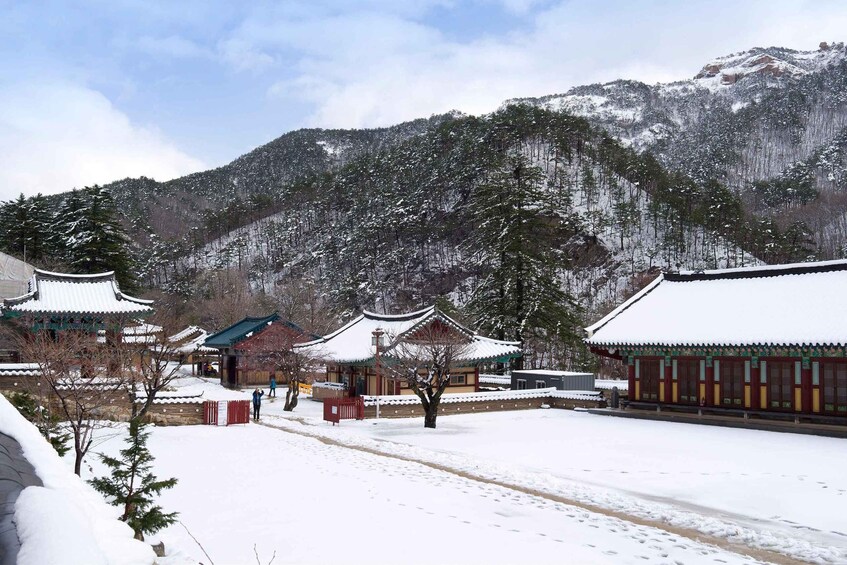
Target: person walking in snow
(257,402)
(272,391)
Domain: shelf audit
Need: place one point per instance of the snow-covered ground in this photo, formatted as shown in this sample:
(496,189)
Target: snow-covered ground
(494,488)
(64,521)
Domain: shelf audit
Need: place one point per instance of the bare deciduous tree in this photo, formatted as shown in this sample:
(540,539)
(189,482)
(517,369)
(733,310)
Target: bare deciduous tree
(424,358)
(78,379)
(275,349)
(224,297)
(149,362)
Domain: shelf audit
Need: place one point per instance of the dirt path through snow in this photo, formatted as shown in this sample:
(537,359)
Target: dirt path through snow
(758,554)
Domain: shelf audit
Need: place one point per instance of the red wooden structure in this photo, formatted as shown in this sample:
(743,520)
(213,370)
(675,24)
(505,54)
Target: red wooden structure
(237,412)
(210,413)
(337,409)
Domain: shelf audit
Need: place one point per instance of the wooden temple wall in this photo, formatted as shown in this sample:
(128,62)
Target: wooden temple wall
(803,385)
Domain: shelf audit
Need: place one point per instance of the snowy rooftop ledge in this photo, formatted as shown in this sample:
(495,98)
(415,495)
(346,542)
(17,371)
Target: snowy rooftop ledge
(166,398)
(78,294)
(404,399)
(495,379)
(801,304)
(65,521)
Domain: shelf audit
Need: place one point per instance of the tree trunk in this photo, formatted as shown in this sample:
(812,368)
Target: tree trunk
(291,397)
(431,408)
(78,455)
(430,416)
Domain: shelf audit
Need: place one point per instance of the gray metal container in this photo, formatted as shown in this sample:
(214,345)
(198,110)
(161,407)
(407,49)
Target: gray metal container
(560,380)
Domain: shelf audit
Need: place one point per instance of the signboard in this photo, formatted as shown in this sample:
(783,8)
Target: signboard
(222,410)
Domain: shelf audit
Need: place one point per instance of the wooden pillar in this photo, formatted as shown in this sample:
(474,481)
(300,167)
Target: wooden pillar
(476,380)
(710,383)
(668,381)
(755,387)
(816,387)
(630,373)
(806,386)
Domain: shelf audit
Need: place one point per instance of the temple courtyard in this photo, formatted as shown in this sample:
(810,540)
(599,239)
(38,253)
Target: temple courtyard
(529,486)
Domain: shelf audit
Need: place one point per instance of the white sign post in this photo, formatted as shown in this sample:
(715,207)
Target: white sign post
(222,406)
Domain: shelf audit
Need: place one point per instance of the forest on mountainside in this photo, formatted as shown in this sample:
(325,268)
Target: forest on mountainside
(527,223)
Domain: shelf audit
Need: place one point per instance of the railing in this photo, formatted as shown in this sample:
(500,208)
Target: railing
(337,409)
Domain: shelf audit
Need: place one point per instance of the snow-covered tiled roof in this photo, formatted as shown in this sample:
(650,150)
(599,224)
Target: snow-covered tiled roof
(495,379)
(76,294)
(189,332)
(19,369)
(802,304)
(352,343)
(453,398)
(142,329)
(166,398)
(608,384)
(190,340)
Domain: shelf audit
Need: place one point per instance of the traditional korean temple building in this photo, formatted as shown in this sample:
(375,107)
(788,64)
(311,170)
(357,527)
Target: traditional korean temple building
(350,352)
(57,302)
(766,339)
(242,346)
(60,301)
(188,348)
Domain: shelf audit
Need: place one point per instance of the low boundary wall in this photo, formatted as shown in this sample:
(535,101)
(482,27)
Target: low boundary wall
(410,406)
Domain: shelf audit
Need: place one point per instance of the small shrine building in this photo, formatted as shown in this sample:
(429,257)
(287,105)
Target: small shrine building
(350,352)
(244,348)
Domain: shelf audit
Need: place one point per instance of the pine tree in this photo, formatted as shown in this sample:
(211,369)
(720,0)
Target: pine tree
(520,295)
(47,423)
(24,225)
(63,228)
(132,485)
(96,241)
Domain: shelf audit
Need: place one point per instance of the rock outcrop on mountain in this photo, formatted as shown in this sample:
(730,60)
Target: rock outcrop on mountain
(768,122)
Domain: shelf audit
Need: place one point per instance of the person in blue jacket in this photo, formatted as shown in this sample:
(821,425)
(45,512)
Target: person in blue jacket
(272,391)
(257,402)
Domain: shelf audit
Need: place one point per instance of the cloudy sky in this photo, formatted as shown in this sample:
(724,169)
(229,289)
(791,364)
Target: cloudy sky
(96,91)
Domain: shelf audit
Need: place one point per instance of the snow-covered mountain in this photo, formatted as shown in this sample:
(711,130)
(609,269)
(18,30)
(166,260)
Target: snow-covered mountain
(743,118)
(747,154)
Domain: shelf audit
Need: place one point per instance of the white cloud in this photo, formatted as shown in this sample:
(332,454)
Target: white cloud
(243,56)
(172,46)
(373,66)
(57,136)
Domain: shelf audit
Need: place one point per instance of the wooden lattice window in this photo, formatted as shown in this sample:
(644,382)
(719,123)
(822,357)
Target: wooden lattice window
(834,387)
(732,383)
(781,385)
(688,381)
(649,376)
